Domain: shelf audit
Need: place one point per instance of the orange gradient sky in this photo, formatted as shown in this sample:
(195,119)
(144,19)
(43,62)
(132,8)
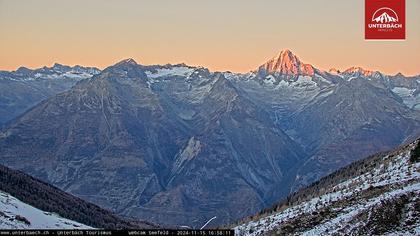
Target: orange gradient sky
(235,35)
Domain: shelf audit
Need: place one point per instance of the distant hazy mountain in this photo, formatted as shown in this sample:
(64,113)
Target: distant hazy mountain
(23,88)
(376,196)
(178,145)
(333,115)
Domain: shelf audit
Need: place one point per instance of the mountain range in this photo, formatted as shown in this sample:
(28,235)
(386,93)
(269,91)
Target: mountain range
(178,145)
(23,88)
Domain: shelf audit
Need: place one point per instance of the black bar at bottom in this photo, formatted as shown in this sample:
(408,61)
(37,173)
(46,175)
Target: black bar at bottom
(153,232)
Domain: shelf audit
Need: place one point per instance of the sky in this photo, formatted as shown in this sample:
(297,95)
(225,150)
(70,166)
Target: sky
(222,35)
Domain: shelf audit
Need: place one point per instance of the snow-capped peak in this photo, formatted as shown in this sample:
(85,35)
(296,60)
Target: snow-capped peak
(60,68)
(287,63)
(358,70)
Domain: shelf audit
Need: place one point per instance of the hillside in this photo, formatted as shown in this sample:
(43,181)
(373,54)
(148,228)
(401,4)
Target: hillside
(377,195)
(15,214)
(21,194)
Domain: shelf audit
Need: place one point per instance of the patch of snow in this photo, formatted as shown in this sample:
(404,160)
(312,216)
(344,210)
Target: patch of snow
(173,71)
(408,97)
(235,76)
(74,75)
(11,209)
(304,80)
(270,80)
(322,79)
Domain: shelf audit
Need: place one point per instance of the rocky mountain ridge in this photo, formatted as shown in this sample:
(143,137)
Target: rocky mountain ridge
(153,142)
(22,89)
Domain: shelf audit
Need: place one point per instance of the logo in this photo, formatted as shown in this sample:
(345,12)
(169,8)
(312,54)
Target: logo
(384,19)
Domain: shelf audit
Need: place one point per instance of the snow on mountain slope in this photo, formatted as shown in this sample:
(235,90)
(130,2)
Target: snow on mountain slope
(404,87)
(177,70)
(57,71)
(24,88)
(408,96)
(382,199)
(284,85)
(15,214)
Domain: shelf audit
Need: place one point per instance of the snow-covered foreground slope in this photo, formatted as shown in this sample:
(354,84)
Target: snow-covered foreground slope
(15,214)
(383,198)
